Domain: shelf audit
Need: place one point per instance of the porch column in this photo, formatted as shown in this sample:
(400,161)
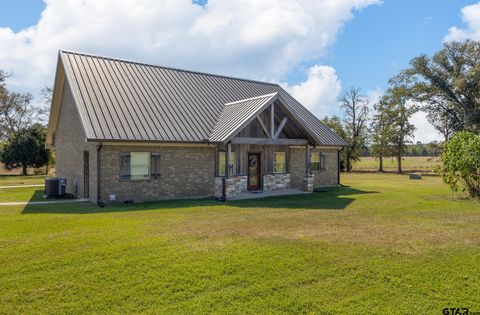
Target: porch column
(308,180)
(227,160)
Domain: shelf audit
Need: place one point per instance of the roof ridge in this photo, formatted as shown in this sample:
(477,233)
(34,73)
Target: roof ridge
(164,67)
(252,98)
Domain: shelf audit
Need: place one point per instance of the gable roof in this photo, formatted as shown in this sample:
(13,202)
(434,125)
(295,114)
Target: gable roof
(120,100)
(235,115)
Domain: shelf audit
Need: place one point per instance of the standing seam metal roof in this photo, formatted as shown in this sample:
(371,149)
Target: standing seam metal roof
(122,100)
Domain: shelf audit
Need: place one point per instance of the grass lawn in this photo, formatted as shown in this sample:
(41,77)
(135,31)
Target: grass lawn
(409,163)
(21,194)
(384,245)
(14,180)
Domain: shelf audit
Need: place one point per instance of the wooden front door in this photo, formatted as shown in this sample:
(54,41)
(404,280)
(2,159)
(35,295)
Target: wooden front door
(253,171)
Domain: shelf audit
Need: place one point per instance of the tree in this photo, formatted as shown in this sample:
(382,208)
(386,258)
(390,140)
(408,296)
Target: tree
(461,163)
(26,147)
(399,111)
(448,85)
(356,115)
(381,131)
(335,123)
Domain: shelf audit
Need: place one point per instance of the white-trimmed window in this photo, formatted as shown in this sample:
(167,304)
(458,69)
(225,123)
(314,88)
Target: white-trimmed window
(317,161)
(139,165)
(279,164)
(221,163)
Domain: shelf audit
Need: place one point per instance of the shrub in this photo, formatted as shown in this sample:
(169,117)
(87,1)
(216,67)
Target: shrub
(461,163)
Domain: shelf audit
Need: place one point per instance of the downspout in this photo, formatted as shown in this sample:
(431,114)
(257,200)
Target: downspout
(99,199)
(339,168)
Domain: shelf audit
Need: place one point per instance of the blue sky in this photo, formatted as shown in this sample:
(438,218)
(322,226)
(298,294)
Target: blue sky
(352,43)
(371,48)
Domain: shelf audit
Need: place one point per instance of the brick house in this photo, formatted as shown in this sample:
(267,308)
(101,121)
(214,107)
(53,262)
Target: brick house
(124,130)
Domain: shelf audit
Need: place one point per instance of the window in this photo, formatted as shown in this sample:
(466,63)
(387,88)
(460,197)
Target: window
(221,163)
(323,162)
(279,162)
(139,165)
(315,161)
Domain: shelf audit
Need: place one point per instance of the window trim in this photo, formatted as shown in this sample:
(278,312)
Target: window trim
(284,171)
(319,161)
(148,166)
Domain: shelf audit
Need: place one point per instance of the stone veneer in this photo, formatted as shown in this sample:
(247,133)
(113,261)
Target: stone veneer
(276,181)
(235,185)
(308,183)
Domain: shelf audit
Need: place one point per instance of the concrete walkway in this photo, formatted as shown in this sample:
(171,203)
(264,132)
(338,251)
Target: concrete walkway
(21,186)
(269,193)
(46,202)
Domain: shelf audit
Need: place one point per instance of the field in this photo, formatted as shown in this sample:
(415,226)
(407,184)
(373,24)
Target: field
(409,164)
(383,245)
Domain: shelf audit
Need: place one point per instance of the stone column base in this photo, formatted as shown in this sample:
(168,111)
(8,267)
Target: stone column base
(235,185)
(308,183)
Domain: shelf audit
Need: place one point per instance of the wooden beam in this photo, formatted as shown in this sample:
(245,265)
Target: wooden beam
(307,159)
(272,119)
(260,121)
(280,127)
(278,141)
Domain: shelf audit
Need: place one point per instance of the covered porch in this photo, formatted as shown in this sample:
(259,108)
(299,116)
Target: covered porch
(263,148)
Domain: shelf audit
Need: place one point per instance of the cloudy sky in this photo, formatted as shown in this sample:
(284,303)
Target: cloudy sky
(315,48)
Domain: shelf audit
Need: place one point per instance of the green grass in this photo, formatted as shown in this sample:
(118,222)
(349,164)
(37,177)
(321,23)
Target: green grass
(384,245)
(13,180)
(21,194)
(409,164)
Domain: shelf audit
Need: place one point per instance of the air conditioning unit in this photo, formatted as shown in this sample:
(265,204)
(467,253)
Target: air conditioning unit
(55,186)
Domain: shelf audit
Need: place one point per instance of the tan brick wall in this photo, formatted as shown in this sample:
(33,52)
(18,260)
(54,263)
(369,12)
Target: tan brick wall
(69,145)
(184,172)
(297,168)
(329,176)
(325,177)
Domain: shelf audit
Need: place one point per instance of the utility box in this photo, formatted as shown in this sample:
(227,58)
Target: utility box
(55,186)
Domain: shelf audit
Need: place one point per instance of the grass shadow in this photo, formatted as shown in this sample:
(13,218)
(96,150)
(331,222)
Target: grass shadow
(335,198)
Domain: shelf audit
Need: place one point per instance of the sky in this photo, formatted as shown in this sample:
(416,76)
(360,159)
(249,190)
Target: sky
(316,49)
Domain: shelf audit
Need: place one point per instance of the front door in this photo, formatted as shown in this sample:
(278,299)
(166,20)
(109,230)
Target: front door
(253,171)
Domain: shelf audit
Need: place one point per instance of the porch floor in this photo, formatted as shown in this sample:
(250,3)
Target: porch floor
(269,193)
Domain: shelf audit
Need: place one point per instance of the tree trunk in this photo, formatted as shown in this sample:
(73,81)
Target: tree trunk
(24,169)
(380,168)
(399,164)
(349,163)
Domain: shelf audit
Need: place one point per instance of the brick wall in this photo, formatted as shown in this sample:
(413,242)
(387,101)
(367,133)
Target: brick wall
(327,177)
(69,145)
(184,172)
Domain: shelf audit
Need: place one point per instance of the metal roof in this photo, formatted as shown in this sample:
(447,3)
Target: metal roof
(235,115)
(121,100)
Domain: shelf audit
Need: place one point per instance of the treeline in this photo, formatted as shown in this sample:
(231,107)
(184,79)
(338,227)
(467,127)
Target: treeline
(446,86)
(22,129)
(433,148)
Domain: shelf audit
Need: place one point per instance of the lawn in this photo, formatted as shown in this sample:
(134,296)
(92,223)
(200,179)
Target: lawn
(409,163)
(14,180)
(383,245)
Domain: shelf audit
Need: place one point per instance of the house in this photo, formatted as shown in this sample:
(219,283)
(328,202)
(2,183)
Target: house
(125,130)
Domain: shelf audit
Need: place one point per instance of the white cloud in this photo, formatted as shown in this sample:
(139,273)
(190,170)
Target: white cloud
(471,17)
(248,38)
(320,92)
(424,131)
